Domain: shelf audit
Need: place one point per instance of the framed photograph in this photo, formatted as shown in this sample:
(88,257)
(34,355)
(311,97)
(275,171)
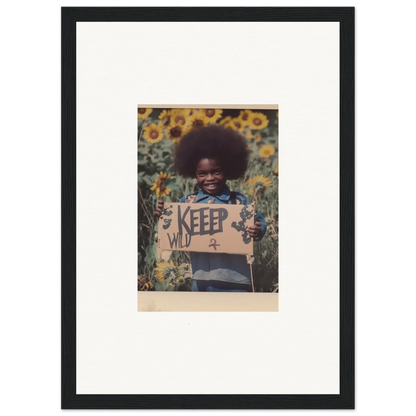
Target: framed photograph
(208,208)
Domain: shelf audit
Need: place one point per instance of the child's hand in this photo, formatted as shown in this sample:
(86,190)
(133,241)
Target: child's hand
(159,209)
(255,231)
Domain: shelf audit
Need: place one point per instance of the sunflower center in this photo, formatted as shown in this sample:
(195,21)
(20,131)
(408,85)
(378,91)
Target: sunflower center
(159,182)
(175,132)
(154,134)
(198,123)
(237,124)
(141,110)
(210,113)
(180,120)
(256,121)
(259,186)
(244,116)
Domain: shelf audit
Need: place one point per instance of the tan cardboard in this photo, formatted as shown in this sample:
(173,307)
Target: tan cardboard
(210,228)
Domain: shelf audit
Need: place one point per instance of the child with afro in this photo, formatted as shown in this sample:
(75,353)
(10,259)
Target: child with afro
(213,155)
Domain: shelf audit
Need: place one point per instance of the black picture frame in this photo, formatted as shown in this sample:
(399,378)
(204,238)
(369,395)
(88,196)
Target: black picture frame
(69,398)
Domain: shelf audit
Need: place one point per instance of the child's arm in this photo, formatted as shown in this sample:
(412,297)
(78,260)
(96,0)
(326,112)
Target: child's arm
(259,229)
(255,230)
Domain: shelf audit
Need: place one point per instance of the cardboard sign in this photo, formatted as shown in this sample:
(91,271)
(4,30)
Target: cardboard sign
(211,228)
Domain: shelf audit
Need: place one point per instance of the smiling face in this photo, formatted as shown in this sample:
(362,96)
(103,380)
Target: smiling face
(210,176)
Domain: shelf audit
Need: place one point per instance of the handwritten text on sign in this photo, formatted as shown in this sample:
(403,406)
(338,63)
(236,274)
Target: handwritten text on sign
(216,228)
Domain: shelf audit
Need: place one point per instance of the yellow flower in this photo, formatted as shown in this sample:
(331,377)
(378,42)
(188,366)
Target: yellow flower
(167,271)
(196,121)
(161,268)
(153,133)
(258,121)
(245,116)
(164,118)
(237,124)
(147,286)
(158,185)
(258,137)
(266,151)
(225,121)
(258,184)
(211,115)
(143,112)
(179,116)
(175,132)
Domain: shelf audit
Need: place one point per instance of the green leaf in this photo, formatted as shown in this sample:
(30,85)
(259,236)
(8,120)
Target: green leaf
(174,186)
(161,286)
(147,180)
(161,166)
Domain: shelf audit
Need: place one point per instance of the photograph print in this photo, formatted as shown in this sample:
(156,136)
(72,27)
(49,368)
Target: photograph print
(208,199)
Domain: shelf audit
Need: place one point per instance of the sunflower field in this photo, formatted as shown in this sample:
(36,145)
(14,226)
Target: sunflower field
(159,131)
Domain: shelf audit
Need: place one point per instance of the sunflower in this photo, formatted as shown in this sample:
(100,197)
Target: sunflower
(258,184)
(164,118)
(212,115)
(147,286)
(175,132)
(153,133)
(236,124)
(158,185)
(167,271)
(266,151)
(258,121)
(245,116)
(179,116)
(196,121)
(258,137)
(225,121)
(143,112)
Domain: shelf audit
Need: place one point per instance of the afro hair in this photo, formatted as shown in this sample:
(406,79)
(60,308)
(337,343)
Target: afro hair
(212,142)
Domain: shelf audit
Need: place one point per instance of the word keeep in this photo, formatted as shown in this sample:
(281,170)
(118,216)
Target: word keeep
(201,222)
